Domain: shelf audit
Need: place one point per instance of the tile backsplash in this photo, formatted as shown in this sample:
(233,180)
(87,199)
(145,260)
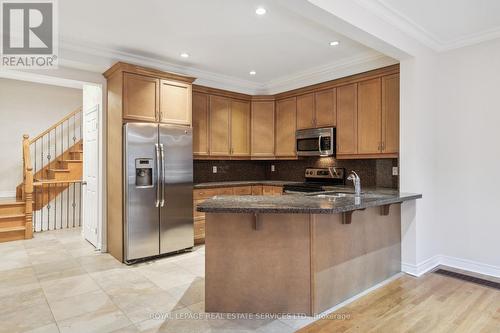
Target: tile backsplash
(373,172)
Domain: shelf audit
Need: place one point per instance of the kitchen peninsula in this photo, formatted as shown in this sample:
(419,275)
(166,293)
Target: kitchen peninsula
(299,253)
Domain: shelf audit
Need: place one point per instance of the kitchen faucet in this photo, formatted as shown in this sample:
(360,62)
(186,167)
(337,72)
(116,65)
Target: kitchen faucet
(357,182)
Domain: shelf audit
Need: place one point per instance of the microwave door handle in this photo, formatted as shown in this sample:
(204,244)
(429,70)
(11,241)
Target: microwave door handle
(320,138)
(157,202)
(162,202)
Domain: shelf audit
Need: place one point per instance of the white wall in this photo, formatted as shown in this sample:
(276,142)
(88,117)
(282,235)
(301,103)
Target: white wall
(27,108)
(468,154)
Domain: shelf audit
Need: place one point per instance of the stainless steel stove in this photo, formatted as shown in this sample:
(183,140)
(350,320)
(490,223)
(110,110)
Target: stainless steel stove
(318,180)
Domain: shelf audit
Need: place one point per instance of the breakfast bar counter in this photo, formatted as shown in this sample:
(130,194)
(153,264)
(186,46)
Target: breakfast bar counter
(300,254)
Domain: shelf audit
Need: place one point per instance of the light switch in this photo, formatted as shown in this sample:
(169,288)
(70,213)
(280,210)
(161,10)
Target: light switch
(273,168)
(214,169)
(395,171)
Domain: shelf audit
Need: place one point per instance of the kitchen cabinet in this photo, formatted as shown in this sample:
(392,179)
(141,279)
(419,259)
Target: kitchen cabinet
(220,113)
(370,116)
(347,110)
(286,118)
(200,195)
(262,129)
(390,114)
(325,108)
(200,125)
(140,97)
(175,103)
(240,128)
(316,110)
(305,111)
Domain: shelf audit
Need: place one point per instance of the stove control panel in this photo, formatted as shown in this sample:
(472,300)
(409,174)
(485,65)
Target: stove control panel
(325,173)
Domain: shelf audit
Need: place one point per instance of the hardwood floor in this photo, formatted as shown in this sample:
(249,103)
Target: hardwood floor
(432,303)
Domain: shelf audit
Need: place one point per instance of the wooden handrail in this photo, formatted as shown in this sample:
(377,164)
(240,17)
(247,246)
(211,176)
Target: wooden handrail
(28,187)
(56,124)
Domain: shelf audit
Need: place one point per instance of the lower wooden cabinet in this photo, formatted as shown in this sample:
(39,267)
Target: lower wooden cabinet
(200,195)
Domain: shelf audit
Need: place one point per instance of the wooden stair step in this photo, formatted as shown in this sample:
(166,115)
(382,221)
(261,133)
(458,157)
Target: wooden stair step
(59,170)
(11,216)
(72,161)
(10,229)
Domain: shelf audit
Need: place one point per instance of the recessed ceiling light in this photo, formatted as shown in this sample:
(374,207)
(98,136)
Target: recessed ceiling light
(184,55)
(334,43)
(260,11)
(253,73)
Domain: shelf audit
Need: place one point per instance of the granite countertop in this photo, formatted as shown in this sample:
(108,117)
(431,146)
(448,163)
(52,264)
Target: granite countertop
(242,183)
(315,203)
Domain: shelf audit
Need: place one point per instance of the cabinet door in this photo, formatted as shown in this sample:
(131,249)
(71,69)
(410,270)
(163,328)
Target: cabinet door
(305,111)
(200,124)
(262,129)
(220,109)
(175,103)
(347,108)
(240,128)
(326,108)
(140,97)
(256,189)
(370,116)
(286,115)
(390,114)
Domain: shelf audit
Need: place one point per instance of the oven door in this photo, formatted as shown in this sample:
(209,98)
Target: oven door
(316,142)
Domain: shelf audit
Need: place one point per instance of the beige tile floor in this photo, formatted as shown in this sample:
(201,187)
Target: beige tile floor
(57,282)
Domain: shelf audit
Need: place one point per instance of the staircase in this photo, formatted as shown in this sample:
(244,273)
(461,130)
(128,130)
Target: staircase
(50,195)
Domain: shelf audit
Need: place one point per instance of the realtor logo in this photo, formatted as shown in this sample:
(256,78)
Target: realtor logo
(29,34)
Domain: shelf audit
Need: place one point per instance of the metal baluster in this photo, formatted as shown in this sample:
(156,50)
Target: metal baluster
(55,206)
(60,201)
(41,204)
(73,204)
(35,157)
(48,209)
(80,207)
(67,206)
(41,158)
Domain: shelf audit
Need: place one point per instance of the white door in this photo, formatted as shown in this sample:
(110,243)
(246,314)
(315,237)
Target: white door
(91,111)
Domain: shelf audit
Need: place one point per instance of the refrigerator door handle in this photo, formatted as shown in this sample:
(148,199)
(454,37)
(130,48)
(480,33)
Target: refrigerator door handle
(157,203)
(162,202)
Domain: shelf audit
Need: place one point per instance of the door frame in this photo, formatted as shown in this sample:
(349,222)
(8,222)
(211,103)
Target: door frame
(62,81)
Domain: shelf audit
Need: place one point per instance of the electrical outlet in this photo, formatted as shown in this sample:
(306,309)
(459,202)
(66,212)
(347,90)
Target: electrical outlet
(214,169)
(273,168)
(395,171)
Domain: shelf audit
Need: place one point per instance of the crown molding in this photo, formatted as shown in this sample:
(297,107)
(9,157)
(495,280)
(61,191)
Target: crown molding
(354,65)
(90,57)
(98,58)
(401,21)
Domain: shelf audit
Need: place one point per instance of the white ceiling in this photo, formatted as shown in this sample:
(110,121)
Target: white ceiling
(225,40)
(442,24)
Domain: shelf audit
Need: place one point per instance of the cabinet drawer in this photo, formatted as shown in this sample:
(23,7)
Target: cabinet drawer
(257,190)
(242,190)
(195,212)
(271,190)
(224,191)
(210,192)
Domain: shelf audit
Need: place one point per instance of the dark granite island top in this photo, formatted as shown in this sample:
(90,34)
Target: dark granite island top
(317,203)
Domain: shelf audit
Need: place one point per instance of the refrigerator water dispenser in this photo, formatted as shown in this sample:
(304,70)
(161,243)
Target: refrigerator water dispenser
(144,172)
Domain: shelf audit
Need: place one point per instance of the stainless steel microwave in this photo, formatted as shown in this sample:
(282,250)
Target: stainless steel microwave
(316,142)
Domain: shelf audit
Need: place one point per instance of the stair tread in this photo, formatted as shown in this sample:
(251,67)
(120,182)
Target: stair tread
(10,201)
(9,229)
(60,170)
(11,216)
(77,151)
(72,161)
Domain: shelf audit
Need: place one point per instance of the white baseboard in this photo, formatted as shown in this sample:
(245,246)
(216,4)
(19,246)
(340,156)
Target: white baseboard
(7,194)
(463,264)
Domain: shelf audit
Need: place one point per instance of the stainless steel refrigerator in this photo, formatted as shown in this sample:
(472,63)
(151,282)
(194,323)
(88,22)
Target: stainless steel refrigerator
(158,190)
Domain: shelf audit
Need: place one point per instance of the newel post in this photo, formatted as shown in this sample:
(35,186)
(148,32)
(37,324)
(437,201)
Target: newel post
(28,187)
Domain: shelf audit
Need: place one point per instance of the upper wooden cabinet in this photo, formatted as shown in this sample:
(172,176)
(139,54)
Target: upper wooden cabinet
(175,102)
(286,125)
(390,114)
(347,112)
(370,116)
(262,129)
(140,97)
(220,113)
(325,108)
(240,128)
(305,111)
(200,125)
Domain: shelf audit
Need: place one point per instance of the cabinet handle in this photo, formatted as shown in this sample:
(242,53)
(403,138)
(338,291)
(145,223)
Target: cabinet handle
(380,146)
(383,145)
